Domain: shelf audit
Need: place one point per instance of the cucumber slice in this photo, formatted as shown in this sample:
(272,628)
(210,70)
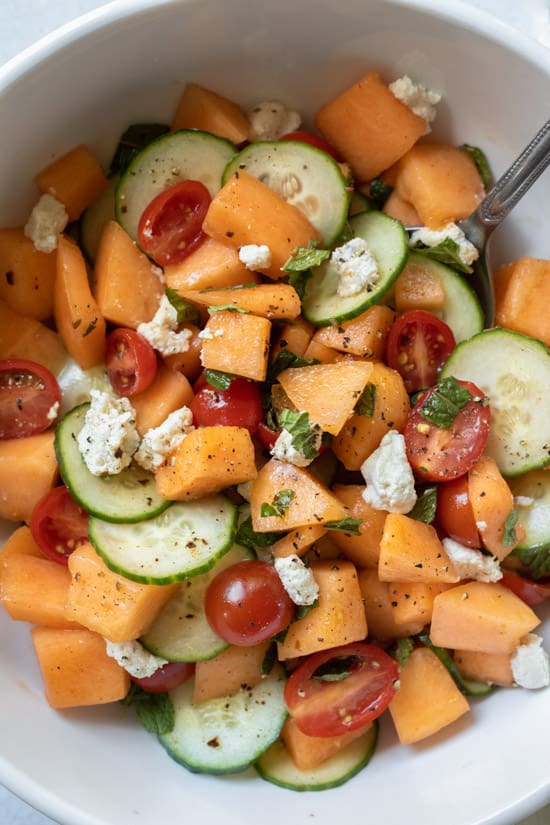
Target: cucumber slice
(514,371)
(387,240)
(305,176)
(276,765)
(534,514)
(93,220)
(183,541)
(129,496)
(181,633)
(461,311)
(186,154)
(226,735)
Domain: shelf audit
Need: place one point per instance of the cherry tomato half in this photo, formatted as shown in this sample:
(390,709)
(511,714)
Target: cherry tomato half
(418,345)
(455,515)
(313,140)
(438,454)
(531,592)
(131,362)
(171,226)
(240,405)
(246,603)
(266,436)
(58,524)
(167,677)
(28,395)
(362,690)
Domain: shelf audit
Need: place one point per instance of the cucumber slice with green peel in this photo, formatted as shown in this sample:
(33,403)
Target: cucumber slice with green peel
(532,502)
(188,154)
(94,219)
(226,735)
(387,240)
(304,176)
(129,496)
(180,632)
(513,370)
(185,540)
(276,765)
(461,310)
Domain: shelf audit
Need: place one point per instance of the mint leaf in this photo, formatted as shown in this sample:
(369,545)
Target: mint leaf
(305,257)
(269,660)
(402,650)
(228,308)
(536,560)
(303,609)
(336,669)
(218,380)
(366,404)
(447,252)
(305,436)
(426,505)
(186,311)
(510,537)
(467,686)
(379,192)
(480,159)
(280,504)
(155,711)
(248,537)
(443,404)
(347,525)
(284,360)
(135,138)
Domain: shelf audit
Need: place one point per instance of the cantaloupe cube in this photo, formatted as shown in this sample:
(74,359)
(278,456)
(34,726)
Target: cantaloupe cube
(294,337)
(339,618)
(228,672)
(208,460)
(188,362)
(211,265)
(480,616)
(413,601)
(427,700)
(34,589)
(492,502)
(201,108)
(410,551)
(378,608)
(527,276)
(317,351)
(26,275)
(20,542)
(76,669)
(24,337)
(273,301)
(364,549)
(106,602)
(298,541)
(75,179)
(169,392)
(494,668)
(239,344)
(308,752)
(364,336)
(418,287)
(28,470)
(398,208)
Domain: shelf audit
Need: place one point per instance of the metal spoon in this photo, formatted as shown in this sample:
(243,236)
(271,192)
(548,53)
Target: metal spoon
(498,203)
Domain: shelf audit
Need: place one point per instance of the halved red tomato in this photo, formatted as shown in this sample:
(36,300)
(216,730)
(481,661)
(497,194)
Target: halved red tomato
(442,454)
(418,345)
(58,524)
(240,405)
(313,140)
(455,516)
(167,677)
(171,226)
(531,592)
(131,362)
(339,690)
(29,394)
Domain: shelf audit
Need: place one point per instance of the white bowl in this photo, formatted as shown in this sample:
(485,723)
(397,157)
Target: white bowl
(127,62)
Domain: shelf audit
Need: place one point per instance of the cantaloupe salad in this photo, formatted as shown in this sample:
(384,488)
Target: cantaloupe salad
(299,465)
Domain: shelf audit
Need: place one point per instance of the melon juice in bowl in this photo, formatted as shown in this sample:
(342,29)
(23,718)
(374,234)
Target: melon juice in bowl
(127,63)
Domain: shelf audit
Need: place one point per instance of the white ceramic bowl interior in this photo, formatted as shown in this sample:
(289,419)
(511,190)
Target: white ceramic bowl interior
(128,62)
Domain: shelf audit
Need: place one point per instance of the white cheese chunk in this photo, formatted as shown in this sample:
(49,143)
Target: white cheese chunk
(46,222)
(388,475)
(255,256)
(270,120)
(134,658)
(297,579)
(530,663)
(159,442)
(284,450)
(432,237)
(356,268)
(418,98)
(161,331)
(472,564)
(109,438)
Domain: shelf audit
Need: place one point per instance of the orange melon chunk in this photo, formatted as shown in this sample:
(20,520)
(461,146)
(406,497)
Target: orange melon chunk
(365,335)
(24,337)
(34,589)
(418,287)
(297,541)
(228,672)
(212,265)
(169,392)
(410,551)
(427,700)
(480,616)
(492,502)
(378,608)
(527,276)
(362,550)
(494,668)
(75,179)
(308,752)
(339,618)
(273,301)
(201,108)
(28,470)
(239,344)
(294,337)
(76,669)
(20,542)
(413,601)
(327,392)
(309,502)
(188,362)
(26,275)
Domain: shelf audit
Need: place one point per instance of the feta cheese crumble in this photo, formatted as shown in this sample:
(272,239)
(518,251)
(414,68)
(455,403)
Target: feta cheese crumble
(109,438)
(388,475)
(270,120)
(161,330)
(297,579)
(76,384)
(432,237)
(159,442)
(46,222)
(53,411)
(530,663)
(284,449)
(418,98)
(472,564)
(356,268)
(255,256)
(134,658)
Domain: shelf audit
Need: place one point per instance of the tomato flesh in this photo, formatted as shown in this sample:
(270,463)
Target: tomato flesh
(314,140)
(167,677)
(131,362)
(531,592)
(29,394)
(439,454)
(455,515)
(171,225)
(418,345)
(325,706)
(58,524)
(246,603)
(240,405)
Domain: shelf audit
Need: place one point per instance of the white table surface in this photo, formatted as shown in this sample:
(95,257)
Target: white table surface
(22,22)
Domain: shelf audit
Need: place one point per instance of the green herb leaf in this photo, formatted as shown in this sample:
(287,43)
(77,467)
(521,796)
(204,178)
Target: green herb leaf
(536,560)
(304,258)
(155,711)
(303,609)
(442,406)
(426,505)
(347,525)
(333,677)
(379,192)
(480,159)
(187,313)
(279,505)
(133,140)
(299,281)
(269,660)
(467,686)
(510,537)
(336,669)
(305,436)
(218,380)
(447,252)
(228,308)
(402,650)
(366,404)
(284,360)
(248,537)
